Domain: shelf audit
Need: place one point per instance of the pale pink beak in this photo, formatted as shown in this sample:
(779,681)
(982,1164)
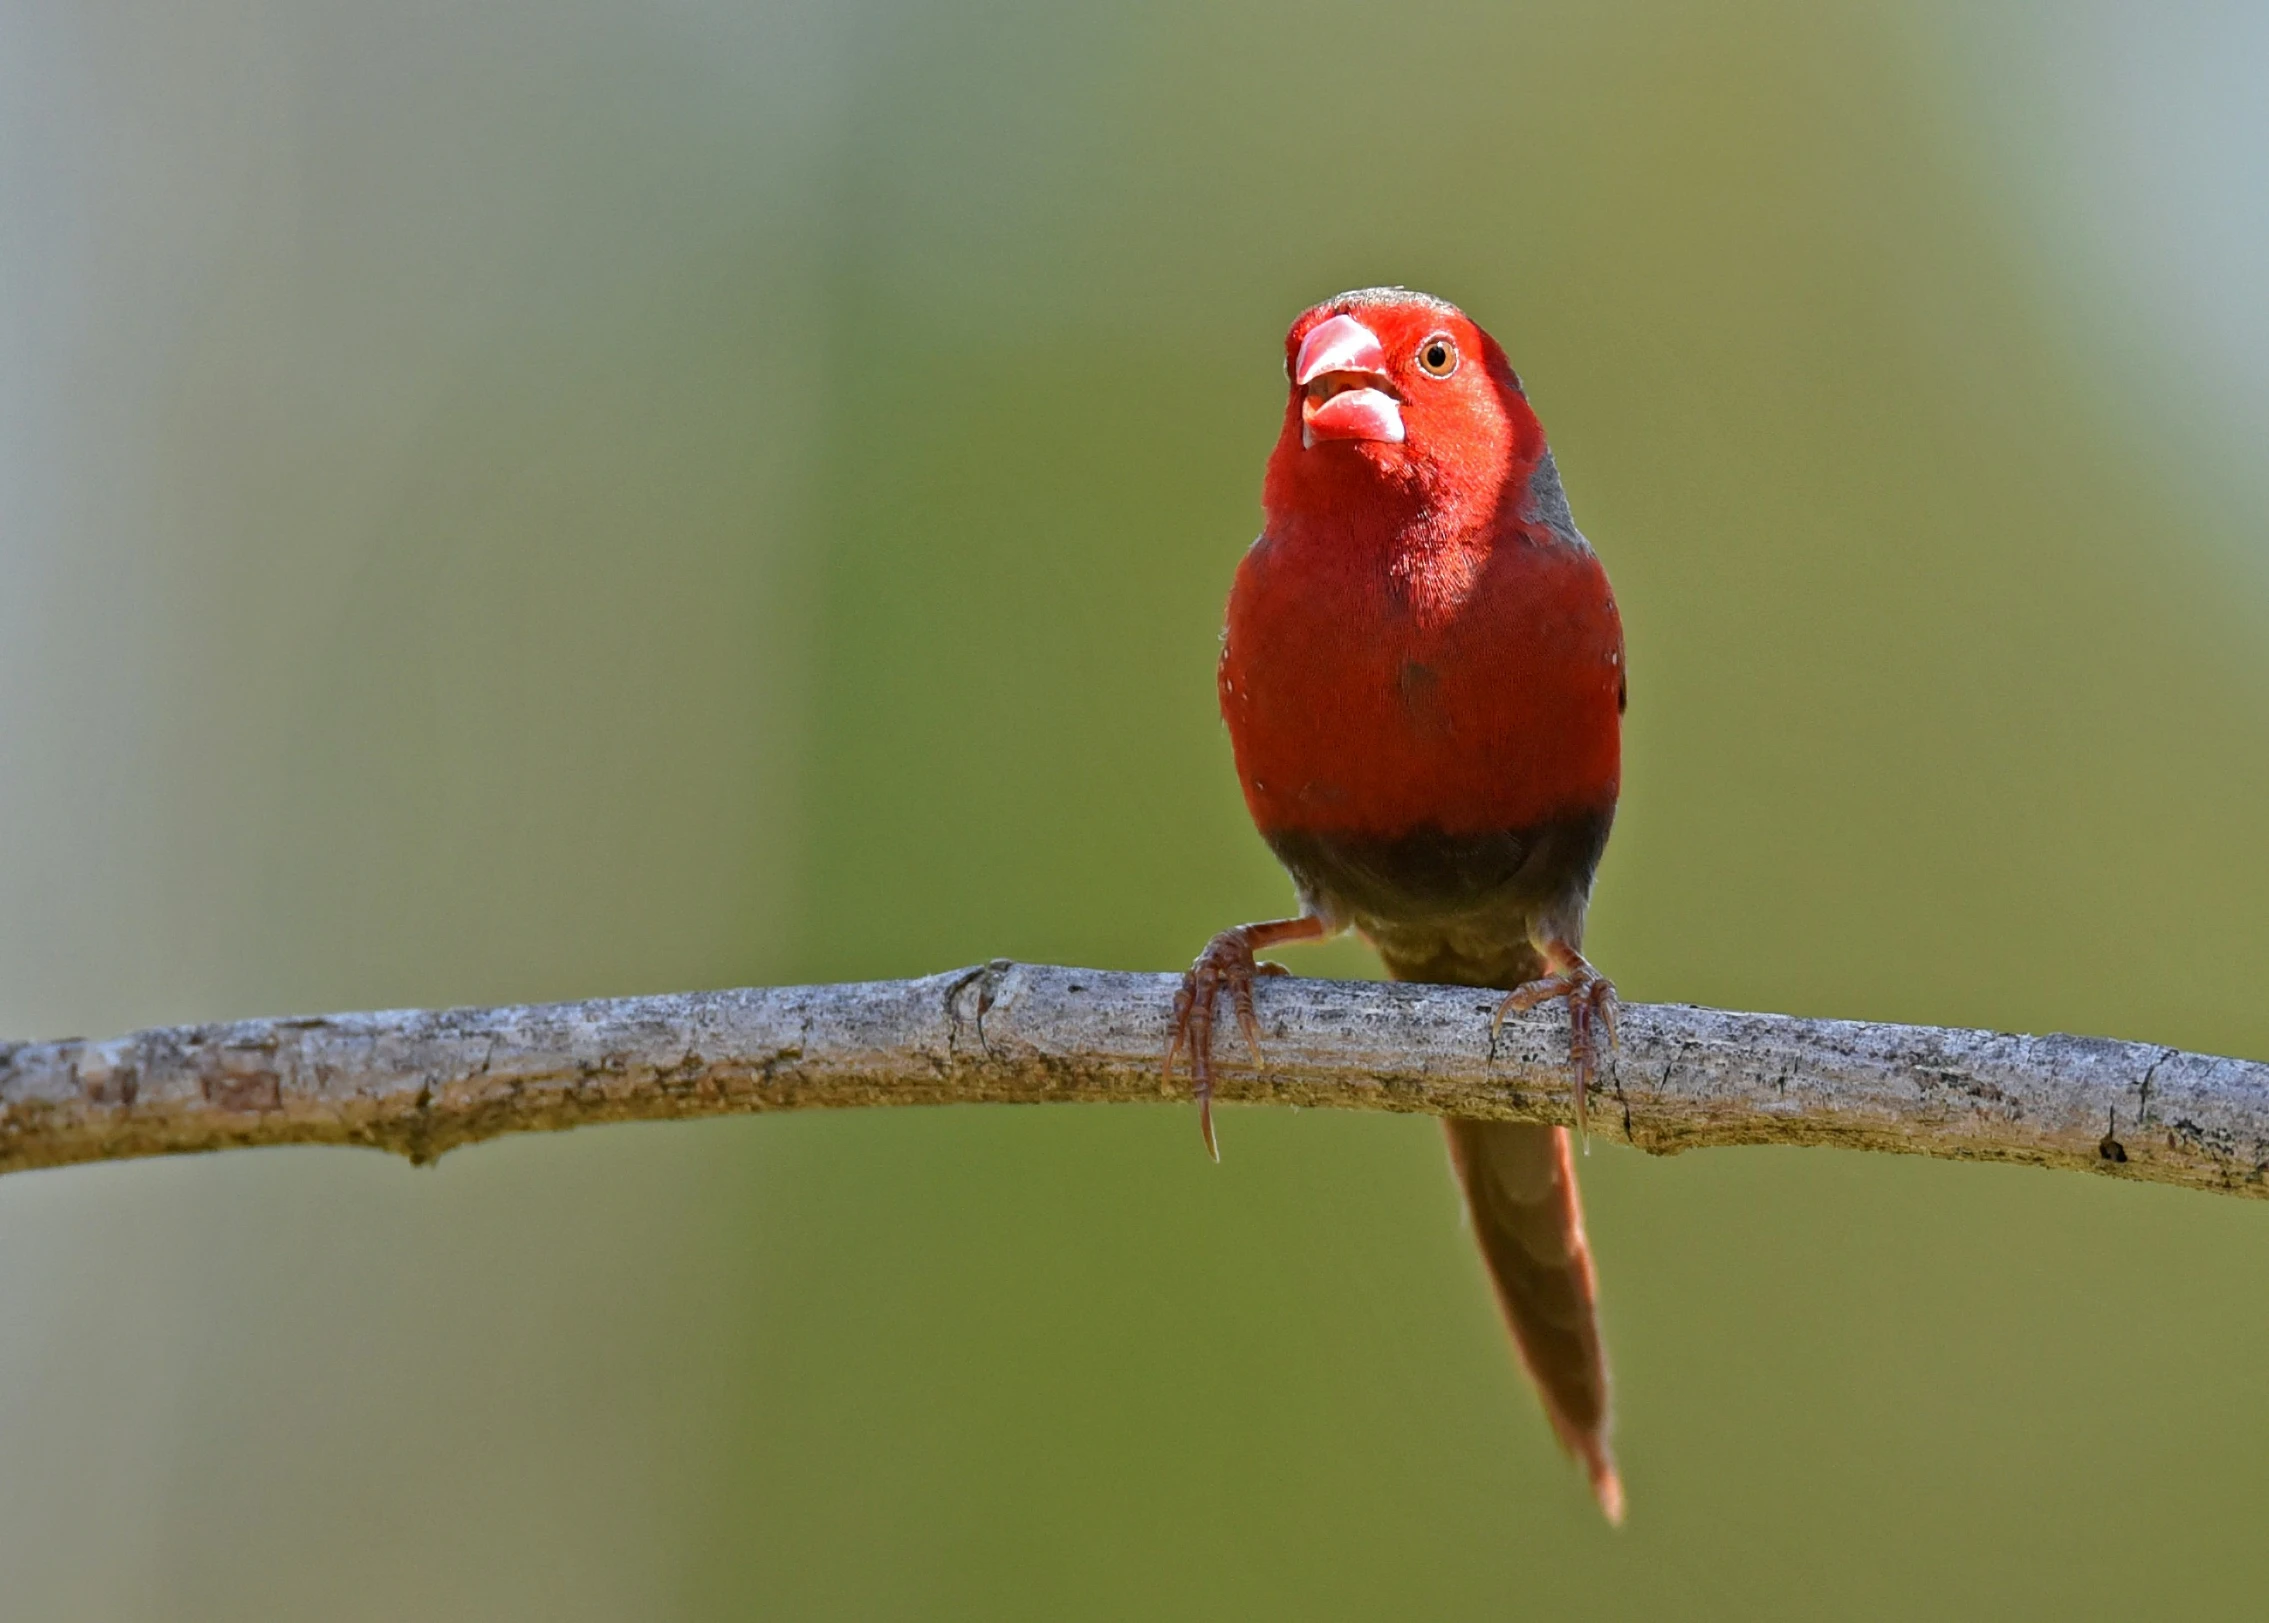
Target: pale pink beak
(1349,396)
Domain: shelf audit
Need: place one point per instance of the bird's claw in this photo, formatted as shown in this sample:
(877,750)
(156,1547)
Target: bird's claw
(1227,963)
(1590,997)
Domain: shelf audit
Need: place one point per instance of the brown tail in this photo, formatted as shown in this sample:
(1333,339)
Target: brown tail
(1520,1186)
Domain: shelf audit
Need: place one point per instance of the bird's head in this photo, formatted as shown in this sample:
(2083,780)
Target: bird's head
(1397,398)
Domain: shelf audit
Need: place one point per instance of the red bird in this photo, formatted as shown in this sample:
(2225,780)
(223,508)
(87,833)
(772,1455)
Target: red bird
(1424,685)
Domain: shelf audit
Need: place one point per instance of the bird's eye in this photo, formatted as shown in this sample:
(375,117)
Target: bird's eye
(1438,356)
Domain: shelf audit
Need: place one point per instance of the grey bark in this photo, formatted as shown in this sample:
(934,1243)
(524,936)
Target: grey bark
(421,1082)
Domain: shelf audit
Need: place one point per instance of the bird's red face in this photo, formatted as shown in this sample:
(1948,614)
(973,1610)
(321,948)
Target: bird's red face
(1396,397)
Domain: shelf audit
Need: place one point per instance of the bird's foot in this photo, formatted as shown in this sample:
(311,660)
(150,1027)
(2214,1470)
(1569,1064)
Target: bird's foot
(1590,997)
(1227,964)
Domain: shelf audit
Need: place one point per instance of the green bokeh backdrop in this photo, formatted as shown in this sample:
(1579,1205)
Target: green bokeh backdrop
(553,500)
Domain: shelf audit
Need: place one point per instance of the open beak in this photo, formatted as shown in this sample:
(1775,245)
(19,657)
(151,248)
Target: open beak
(1342,372)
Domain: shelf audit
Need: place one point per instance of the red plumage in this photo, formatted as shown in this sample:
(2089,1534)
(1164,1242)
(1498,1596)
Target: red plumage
(1423,680)
(1406,648)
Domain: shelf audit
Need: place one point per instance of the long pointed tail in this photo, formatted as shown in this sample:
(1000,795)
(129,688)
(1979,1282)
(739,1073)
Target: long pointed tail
(1520,1186)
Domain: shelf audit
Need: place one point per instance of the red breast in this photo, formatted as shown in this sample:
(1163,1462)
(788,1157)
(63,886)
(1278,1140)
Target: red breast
(1420,639)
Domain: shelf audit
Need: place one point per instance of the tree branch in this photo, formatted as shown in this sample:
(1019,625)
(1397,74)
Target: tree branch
(419,1082)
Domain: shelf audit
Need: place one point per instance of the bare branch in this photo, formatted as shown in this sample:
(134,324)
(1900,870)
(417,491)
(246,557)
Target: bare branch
(419,1082)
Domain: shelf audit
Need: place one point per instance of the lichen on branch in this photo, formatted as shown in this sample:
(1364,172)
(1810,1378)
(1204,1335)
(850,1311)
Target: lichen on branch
(420,1082)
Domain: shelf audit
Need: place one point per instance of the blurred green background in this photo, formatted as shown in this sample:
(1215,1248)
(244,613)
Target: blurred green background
(540,500)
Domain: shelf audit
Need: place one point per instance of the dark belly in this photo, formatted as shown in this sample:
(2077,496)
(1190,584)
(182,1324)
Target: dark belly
(1449,907)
